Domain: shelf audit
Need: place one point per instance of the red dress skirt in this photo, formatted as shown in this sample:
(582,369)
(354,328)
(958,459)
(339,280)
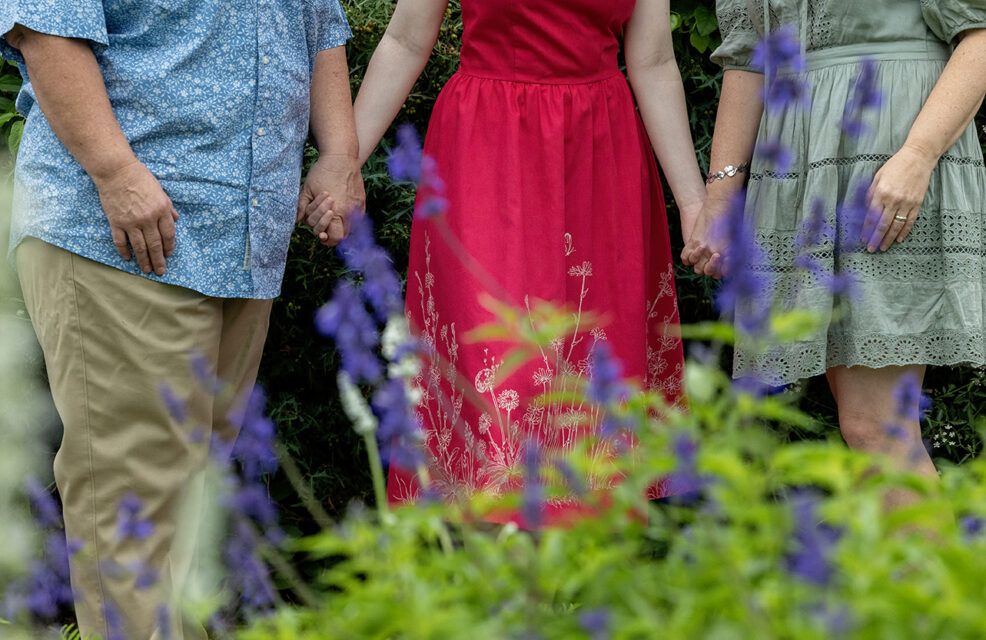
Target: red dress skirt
(554,193)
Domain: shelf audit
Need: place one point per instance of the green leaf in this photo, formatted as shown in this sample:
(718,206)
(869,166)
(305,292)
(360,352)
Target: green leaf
(14,137)
(705,21)
(699,41)
(675,22)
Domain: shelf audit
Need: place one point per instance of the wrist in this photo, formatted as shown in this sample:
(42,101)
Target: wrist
(106,170)
(923,151)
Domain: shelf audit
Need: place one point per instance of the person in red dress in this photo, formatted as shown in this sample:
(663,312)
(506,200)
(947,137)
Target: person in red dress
(554,192)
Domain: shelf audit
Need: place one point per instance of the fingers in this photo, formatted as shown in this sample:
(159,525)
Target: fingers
(155,248)
(166,227)
(714,266)
(897,224)
(140,249)
(912,217)
(304,199)
(120,242)
(337,231)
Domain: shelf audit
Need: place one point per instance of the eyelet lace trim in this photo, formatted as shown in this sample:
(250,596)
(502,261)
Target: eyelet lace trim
(858,159)
(784,364)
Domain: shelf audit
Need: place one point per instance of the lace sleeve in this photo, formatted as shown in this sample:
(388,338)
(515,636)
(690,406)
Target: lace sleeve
(739,35)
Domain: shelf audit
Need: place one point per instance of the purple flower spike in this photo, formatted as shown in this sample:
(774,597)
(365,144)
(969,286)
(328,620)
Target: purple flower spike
(205,374)
(606,386)
(532,501)
(114,623)
(744,266)
(346,321)
(47,514)
(866,96)
(129,524)
(381,285)
(912,403)
(777,154)
(780,58)
(399,432)
(574,483)
(254,447)
(175,405)
(852,215)
(973,526)
(814,542)
(596,622)
(146,577)
(404,160)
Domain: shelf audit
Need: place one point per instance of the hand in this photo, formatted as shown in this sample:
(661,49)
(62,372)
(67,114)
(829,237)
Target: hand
(897,192)
(139,212)
(690,214)
(336,182)
(700,249)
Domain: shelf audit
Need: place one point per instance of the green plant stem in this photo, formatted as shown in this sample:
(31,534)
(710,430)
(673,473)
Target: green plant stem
(297,481)
(376,470)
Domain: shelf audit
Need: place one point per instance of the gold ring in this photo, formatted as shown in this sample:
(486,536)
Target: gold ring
(901,218)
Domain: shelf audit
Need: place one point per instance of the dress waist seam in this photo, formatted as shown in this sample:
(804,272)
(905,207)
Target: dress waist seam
(557,83)
(921,50)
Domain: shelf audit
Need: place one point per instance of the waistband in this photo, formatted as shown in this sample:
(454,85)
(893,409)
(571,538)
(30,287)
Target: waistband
(925,50)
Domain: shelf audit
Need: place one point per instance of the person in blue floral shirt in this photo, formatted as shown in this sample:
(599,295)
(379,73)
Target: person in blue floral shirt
(156,190)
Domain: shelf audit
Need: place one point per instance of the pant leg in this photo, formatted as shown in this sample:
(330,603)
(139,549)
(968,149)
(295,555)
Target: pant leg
(110,340)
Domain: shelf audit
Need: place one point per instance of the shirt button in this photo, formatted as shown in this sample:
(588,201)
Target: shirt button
(256,202)
(260,131)
(265,60)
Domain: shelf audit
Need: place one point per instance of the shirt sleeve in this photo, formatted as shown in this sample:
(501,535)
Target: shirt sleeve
(82,19)
(739,35)
(333,26)
(949,18)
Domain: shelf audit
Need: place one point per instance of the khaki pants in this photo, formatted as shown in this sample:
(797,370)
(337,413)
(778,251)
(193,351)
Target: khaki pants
(110,340)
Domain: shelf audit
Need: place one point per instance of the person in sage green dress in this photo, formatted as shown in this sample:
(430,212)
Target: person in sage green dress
(920,265)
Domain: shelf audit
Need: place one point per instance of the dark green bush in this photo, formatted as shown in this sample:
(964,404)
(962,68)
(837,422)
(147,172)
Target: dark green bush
(299,367)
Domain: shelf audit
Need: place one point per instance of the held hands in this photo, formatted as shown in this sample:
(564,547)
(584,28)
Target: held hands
(141,216)
(701,250)
(896,196)
(331,195)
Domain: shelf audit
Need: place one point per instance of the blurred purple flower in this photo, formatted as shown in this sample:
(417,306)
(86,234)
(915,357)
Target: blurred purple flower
(254,447)
(686,485)
(912,403)
(780,51)
(176,406)
(129,524)
(47,513)
(47,587)
(399,433)
(114,623)
(814,542)
(253,502)
(164,623)
(204,373)
(145,577)
(852,215)
(972,526)
(248,576)
(606,385)
(571,479)
(844,284)
(408,162)
(866,95)
(381,285)
(815,230)
(744,264)
(596,622)
(779,56)
(532,501)
(404,160)
(345,320)
(776,153)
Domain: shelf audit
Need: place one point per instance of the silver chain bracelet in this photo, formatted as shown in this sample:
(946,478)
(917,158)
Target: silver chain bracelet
(728,172)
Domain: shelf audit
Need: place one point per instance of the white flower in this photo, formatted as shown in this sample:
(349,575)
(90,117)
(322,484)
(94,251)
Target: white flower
(485,422)
(508,400)
(395,335)
(544,376)
(485,380)
(355,406)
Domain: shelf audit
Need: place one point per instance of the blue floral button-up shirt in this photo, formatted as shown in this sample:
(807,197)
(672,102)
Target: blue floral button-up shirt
(214,98)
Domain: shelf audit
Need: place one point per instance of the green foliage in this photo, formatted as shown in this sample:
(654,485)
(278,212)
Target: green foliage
(721,569)
(11,122)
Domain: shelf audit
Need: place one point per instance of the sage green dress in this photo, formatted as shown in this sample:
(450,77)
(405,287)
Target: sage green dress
(921,302)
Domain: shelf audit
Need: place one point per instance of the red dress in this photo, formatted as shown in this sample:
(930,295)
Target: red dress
(554,191)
